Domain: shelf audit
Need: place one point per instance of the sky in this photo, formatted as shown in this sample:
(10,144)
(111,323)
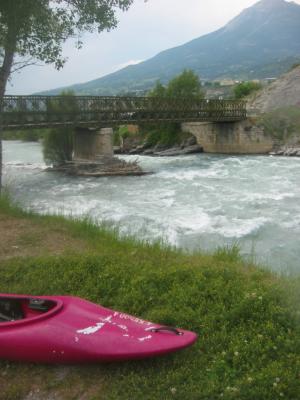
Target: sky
(143,31)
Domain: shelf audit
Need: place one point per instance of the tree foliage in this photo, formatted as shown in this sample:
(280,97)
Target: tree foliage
(245,88)
(186,84)
(38,28)
(58,143)
(159,90)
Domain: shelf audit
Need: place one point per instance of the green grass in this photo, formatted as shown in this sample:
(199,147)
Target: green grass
(247,319)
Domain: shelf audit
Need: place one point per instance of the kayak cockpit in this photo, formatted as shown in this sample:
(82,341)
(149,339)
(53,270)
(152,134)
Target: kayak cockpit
(17,309)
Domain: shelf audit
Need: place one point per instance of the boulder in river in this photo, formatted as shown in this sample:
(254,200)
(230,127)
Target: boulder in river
(178,151)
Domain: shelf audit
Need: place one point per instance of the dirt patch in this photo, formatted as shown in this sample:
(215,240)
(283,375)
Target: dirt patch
(21,237)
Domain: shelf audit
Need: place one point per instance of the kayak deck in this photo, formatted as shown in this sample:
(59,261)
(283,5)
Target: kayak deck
(66,329)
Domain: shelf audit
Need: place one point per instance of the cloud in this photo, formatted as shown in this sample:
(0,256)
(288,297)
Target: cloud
(126,64)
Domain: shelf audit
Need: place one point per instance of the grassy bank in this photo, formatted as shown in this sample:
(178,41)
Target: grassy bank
(247,319)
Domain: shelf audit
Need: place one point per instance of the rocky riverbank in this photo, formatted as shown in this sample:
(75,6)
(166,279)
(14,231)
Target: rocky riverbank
(287,151)
(187,146)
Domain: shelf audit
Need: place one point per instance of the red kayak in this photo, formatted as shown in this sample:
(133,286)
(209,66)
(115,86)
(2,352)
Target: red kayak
(65,329)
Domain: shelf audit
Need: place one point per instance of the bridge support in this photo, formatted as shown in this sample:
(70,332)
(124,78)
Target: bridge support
(242,137)
(91,145)
(94,156)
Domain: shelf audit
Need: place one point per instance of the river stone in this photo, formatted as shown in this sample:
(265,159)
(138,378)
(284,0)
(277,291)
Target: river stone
(191,141)
(148,152)
(117,150)
(177,151)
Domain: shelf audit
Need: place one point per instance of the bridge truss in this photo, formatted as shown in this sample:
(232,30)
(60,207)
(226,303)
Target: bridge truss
(19,112)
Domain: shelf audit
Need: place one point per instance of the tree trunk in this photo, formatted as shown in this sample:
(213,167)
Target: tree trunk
(4,75)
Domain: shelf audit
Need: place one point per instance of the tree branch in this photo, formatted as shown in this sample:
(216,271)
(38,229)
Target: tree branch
(17,66)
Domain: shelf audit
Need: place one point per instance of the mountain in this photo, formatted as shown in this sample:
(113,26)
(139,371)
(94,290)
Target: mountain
(262,41)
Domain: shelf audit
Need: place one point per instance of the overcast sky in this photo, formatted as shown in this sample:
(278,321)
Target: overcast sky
(142,32)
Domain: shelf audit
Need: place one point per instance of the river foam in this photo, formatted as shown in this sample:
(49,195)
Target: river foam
(194,202)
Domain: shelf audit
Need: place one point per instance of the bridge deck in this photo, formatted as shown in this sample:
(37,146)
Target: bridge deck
(19,112)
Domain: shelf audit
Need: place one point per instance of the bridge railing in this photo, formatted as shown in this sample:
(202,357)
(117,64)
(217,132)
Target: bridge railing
(39,111)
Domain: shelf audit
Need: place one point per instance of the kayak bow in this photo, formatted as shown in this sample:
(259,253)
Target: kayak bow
(65,329)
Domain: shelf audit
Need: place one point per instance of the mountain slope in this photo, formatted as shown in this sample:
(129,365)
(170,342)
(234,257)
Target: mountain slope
(263,40)
(284,92)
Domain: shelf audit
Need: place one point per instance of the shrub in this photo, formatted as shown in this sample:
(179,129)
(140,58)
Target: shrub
(58,146)
(245,88)
(58,143)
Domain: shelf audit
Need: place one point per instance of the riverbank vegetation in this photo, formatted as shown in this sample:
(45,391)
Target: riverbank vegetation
(187,84)
(282,124)
(244,89)
(58,143)
(247,319)
(160,135)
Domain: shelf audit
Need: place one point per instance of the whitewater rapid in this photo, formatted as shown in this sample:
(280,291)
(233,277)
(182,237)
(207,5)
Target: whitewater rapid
(194,202)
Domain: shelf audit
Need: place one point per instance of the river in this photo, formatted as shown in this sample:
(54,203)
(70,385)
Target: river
(194,202)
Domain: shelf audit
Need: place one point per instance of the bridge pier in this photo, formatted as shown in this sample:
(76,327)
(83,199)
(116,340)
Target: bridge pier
(91,145)
(93,155)
(243,137)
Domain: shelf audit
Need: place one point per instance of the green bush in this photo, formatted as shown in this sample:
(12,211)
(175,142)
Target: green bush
(187,84)
(123,132)
(245,88)
(58,143)
(58,146)
(166,134)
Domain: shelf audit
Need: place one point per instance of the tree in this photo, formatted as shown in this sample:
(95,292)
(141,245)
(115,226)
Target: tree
(245,88)
(35,30)
(158,91)
(58,143)
(187,84)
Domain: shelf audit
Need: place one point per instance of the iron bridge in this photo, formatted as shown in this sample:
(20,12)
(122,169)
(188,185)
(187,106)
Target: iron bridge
(20,112)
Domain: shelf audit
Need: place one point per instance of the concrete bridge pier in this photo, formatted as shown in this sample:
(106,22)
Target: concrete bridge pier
(94,156)
(243,137)
(91,145)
